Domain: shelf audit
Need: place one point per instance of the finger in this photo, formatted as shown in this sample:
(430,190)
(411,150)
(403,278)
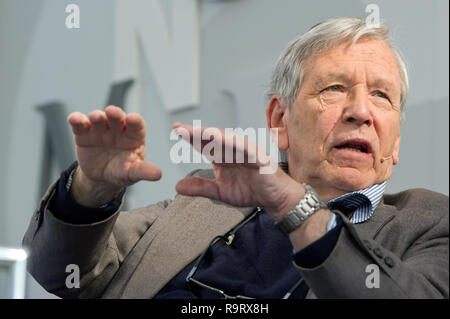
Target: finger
(234,148)
(116,118)
(196,186)
(98,120)
(195,135)
(135,126)
(144,171)
(216,145)
(79,122)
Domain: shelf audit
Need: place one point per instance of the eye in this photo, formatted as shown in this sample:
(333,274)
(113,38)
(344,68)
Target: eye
(335,88)
(382,95)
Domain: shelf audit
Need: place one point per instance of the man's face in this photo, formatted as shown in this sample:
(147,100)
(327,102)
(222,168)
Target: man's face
(345,119)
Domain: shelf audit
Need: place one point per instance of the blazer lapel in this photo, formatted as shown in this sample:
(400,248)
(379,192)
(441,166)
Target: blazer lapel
(382,215)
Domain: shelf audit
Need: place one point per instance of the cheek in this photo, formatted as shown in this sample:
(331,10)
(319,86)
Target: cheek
(326,124)
(387,134)
(311,131)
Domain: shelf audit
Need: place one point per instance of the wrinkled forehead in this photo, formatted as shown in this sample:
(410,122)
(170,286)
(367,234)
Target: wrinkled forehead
(344,61)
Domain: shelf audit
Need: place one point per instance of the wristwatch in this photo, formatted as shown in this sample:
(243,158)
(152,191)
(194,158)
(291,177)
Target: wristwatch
(308,205)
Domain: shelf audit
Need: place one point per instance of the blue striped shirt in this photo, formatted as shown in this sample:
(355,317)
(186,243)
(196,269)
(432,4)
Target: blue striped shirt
(365,201)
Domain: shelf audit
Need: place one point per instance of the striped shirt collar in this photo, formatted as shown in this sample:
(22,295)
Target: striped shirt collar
(373,193)
(364,211)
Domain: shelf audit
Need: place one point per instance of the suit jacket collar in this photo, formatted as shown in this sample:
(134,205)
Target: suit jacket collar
(382,215)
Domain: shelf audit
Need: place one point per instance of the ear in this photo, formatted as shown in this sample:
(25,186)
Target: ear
(277,115)
(396,151)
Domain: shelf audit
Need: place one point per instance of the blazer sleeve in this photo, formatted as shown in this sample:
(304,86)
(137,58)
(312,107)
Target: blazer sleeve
(98,249)
(411,260)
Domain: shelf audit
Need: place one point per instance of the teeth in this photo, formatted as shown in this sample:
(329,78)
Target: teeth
(352,149)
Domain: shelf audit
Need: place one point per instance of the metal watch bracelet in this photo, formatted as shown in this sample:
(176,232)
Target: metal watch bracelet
(308,205)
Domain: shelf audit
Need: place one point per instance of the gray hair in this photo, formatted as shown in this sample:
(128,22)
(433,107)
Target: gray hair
(324,36)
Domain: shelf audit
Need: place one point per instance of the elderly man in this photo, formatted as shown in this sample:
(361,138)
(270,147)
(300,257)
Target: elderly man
(322,227)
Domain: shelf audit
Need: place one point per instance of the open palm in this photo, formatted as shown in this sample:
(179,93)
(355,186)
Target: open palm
(110,147)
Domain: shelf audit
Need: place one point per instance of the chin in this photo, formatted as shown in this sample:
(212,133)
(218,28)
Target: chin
(350,179)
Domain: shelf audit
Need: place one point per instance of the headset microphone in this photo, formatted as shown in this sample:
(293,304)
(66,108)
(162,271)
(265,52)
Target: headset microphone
(385,158)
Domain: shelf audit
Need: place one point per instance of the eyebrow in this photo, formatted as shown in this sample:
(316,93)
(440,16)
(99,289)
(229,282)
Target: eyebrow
(383,83)
(344,77)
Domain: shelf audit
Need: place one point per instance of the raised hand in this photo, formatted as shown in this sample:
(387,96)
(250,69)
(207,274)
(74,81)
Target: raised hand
(255,181)
(110,148)
(245,184)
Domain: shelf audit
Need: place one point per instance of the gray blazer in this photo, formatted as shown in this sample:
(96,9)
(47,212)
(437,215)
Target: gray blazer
(133,254)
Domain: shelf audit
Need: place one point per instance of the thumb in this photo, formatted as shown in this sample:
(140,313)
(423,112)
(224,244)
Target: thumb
(196,186)
(144,171)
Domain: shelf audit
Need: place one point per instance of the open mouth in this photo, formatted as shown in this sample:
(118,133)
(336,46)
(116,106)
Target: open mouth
(356,146)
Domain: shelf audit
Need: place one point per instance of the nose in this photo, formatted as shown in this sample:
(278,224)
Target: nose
(357,109)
